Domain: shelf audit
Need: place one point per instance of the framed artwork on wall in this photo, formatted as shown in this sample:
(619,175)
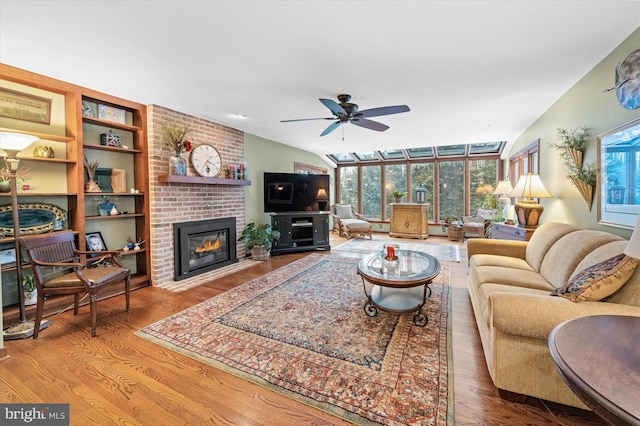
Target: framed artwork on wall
(619,176)
(25,107)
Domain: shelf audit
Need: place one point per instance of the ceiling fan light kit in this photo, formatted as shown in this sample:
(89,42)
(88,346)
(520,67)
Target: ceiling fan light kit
(347,112)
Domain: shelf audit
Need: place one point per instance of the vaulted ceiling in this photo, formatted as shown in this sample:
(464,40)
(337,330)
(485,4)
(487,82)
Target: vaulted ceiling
(470,71)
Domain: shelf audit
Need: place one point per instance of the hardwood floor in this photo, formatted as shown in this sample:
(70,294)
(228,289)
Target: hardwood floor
(118,378)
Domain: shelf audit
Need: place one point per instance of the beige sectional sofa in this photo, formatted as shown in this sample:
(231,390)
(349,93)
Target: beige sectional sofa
(510,285)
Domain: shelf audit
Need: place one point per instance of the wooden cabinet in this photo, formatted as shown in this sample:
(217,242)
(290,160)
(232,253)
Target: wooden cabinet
(501,231)
(74,134)
(409,220)
(301,231)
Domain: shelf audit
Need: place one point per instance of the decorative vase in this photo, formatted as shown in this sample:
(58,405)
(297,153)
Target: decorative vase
(105,208)
(30,297)
(5,186)
(177,165)
(92,186)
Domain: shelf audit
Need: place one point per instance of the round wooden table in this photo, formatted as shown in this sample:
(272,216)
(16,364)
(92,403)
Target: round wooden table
(400,286)
(599,359)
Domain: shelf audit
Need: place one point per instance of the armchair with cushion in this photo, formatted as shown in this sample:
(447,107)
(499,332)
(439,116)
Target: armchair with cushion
(57,270)
(477,225)
(348,222)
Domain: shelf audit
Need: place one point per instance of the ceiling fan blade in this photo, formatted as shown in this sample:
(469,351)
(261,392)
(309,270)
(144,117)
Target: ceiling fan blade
(336,109)
(369,124)
(376,112)
(331,128)
(307,119)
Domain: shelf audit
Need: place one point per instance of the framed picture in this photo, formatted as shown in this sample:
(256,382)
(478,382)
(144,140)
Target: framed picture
(25,107)
(106,112)
(95,242)
(619,181)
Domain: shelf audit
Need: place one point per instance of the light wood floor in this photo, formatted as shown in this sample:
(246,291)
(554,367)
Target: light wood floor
(118,378)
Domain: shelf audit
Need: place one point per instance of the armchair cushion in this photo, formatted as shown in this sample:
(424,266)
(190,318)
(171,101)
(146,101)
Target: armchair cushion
(344,211)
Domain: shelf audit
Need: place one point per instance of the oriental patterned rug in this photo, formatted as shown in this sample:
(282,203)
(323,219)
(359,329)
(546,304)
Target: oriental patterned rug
(301,330)
(442,252)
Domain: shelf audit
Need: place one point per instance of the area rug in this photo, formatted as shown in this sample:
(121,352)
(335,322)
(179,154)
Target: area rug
(301,330)
(442,252)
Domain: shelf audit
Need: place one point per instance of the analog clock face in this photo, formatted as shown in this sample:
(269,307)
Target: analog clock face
(206,161)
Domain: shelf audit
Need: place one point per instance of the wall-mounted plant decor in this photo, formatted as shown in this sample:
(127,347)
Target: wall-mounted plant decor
(571,145)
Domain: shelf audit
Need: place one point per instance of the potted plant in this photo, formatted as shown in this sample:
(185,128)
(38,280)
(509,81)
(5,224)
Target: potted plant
(259,239)
(397,194)
(5,177)
(92,185)
(29,290)
(571,144)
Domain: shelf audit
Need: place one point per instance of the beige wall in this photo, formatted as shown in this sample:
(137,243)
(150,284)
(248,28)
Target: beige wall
(264,155)
(584,104)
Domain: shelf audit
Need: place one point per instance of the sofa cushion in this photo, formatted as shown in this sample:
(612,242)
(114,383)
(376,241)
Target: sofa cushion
(541,241)
(343,211)
(498,260)
(563,257)
(600,280)
(508,276)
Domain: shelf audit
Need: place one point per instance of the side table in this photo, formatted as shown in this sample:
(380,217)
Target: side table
(599,359)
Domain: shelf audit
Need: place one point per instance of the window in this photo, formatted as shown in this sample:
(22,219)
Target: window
(371,191)
(395,177)
(483,178)
(422,173)
(348,186)
(451,192)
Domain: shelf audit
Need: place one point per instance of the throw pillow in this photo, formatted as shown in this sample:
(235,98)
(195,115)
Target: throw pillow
(598,281)
(343,211)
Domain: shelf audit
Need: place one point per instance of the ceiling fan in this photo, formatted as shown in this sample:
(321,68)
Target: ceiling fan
(347,112)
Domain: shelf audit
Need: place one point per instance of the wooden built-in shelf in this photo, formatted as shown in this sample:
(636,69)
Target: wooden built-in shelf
(114,194)
(45,136)
(38,194)
(47,160)
(117,216)
(111,124)
(201,180)
(111,148)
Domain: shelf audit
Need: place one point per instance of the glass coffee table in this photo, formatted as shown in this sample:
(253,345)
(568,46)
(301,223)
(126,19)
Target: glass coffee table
(398,286)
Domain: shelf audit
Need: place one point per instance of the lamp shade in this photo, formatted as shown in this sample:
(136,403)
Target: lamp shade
(322,194)
(504,188)
(530,186)
(12,143)
(633,247)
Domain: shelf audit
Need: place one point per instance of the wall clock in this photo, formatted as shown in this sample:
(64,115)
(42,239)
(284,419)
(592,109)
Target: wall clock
(628,81)
(206,160)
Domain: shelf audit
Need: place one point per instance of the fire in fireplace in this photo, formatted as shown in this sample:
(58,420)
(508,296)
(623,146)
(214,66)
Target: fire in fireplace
(203,245)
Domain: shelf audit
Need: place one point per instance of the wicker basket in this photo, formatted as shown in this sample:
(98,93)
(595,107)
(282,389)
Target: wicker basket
(455,233)
(260,253)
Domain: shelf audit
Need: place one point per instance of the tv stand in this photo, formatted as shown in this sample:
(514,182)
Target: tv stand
(300,231)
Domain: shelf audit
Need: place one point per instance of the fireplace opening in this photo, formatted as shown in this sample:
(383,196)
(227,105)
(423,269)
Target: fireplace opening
(203,245)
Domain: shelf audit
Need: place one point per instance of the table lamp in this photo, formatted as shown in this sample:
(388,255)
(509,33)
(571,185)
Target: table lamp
(529,211)
(11,144)
(503,189)
(322,198)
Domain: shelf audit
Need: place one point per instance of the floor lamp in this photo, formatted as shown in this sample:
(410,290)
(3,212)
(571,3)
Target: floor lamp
(11,144)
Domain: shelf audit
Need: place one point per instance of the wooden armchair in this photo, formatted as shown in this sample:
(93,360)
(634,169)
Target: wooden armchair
(348,222)
(57,270)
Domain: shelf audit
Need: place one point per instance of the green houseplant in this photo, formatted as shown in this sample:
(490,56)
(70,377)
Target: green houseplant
(397,194)
(29,290)
(259,239)
(571,144)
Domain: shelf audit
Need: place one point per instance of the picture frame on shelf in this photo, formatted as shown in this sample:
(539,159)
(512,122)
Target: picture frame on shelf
(87,110)
(24,106)
(106,112)
(95,242)
(617,205)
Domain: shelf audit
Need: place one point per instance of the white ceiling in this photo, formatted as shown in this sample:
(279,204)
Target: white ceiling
(471,71)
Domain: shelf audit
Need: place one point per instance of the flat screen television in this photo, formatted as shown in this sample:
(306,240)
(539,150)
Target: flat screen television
(293,192)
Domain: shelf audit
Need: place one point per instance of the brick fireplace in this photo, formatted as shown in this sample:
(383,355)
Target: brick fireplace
(171,203)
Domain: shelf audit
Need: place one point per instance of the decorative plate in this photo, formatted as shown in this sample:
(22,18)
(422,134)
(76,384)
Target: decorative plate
(34,218)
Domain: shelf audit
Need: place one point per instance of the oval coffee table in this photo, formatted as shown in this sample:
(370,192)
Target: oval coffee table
(402,288)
